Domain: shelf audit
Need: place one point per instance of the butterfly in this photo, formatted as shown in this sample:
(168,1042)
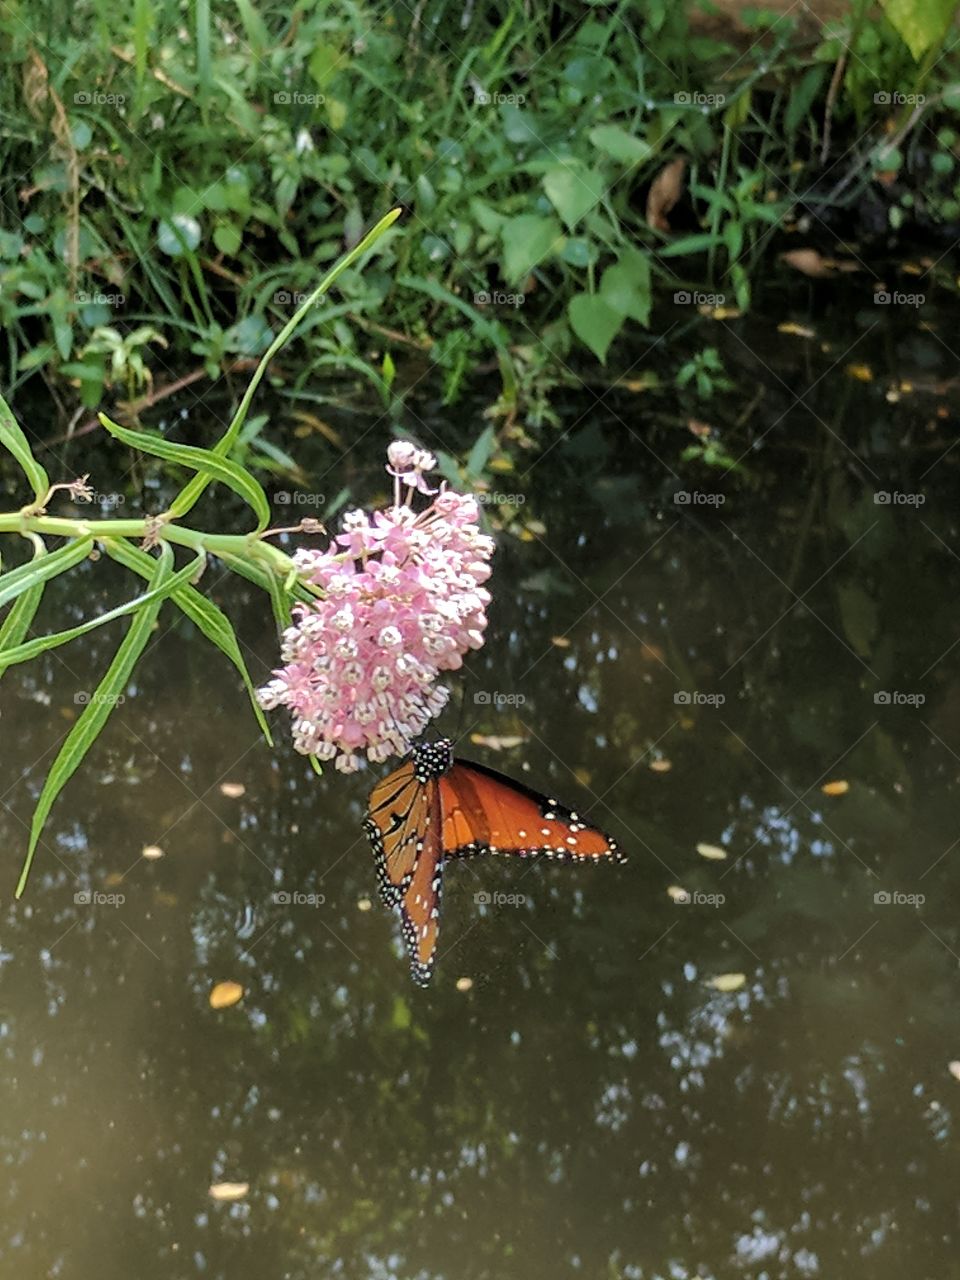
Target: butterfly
(435,807)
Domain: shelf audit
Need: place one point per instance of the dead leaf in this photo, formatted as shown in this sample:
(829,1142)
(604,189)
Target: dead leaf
(229,1190)
(861,372)
(728,981)
(661,765)
(151,852)
(233,790)
(954,1069)
(364,904)
(712,851)
(496,743)
(464,984)
(665,190)
(225,994)
(719,313)
(811,262)
(796,330)
(560,641)
(838,788)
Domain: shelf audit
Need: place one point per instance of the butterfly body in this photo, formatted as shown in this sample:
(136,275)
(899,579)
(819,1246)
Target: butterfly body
(435,807)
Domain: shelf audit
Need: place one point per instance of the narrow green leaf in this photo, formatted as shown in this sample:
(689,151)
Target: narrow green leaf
(97,711)
(43,568)
(203,613)
(12,438)
(33,648)
(203,460)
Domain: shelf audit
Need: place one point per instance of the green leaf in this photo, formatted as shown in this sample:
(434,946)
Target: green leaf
(527,240)
(625,287)
(97,711)
(12,438)
(802,98)
(919,23)
(573,191)
(698,243)
(594,322)
(227,237)
(33,648)
(209,619)
(17,622)
(325,61)
(203,460)
(43,568)
(620,145)
(481,451)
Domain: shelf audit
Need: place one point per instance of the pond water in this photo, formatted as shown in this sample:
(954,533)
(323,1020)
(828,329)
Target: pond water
(593,1105)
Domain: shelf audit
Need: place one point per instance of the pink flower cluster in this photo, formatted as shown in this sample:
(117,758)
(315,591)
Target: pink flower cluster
(402,601)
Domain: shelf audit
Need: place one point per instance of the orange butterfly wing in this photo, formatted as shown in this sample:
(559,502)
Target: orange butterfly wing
(404,825)
(486,812)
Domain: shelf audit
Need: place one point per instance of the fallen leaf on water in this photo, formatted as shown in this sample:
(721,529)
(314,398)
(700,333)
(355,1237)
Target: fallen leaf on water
(464,984)
(712,851)
(661,766)
(861,372)
(812,263)
(113,879)
(719,313)
(797,330)
(229,1190)
(677,893)
(665,191)
(151,852)
(560,641)
(838,788)
(364,904)
(225,994)
(954,1069)
(728,981)
(232,789)
(495,743)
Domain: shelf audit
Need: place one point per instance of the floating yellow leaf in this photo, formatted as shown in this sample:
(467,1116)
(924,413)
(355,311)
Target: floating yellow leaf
(719,313)
(497,743)
(861,372)
(661,765)
(796,330)
(837,788)
(229,1190)
(364,904)
(225,994)
(954,1069)
(728,981)
(151,852)
(711,851)
(464,984)
(678,894)
(232,789)
(560,641)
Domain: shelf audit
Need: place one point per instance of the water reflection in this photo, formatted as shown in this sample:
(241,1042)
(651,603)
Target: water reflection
(592,1105)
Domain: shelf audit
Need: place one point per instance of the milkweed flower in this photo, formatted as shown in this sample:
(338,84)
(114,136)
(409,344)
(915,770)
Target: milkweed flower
(402,600)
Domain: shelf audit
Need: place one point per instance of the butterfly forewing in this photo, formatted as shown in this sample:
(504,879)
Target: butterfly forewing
(485,812)
(394,823)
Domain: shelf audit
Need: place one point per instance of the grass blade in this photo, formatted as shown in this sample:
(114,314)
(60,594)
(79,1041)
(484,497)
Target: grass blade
(12,438)
(42,568)
(97,711)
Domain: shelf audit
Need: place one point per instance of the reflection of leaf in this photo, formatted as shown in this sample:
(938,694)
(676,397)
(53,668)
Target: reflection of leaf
(727,981)
(858,613)
(225,994)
